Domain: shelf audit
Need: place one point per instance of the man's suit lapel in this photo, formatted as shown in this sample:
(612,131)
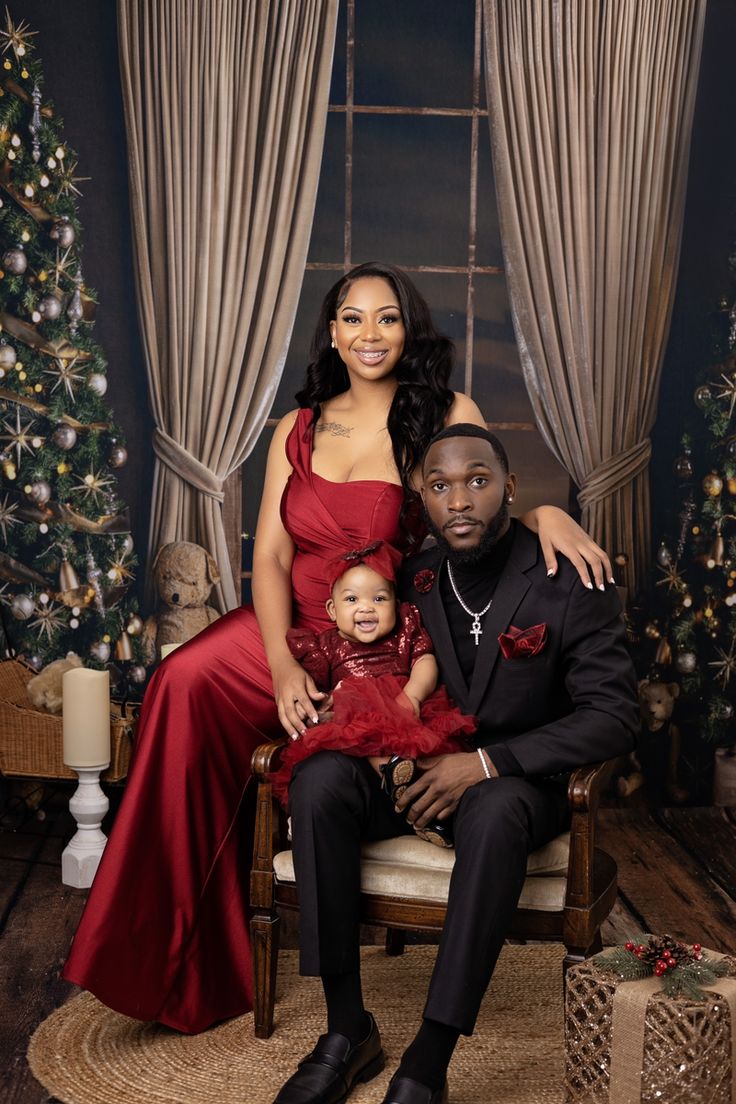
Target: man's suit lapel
(512,586)
(435,622)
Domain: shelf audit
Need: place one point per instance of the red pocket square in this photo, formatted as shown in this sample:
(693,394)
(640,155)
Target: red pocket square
(517,643)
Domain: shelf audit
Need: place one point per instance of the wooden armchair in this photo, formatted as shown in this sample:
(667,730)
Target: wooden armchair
(569,891)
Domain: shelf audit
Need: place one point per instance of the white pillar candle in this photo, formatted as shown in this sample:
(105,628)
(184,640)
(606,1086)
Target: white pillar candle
(166,649)
(86,712)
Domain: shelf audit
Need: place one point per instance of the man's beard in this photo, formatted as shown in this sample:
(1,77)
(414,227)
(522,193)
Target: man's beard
(472,557)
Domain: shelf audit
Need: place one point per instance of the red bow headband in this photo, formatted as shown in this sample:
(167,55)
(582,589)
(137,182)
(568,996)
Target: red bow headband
(383,558)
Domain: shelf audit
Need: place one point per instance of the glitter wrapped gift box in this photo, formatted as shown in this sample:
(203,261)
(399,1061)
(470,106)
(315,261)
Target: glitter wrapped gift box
(628,1042)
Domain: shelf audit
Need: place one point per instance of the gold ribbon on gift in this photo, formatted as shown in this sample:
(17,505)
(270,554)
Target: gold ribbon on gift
(628,1025)
(29,335)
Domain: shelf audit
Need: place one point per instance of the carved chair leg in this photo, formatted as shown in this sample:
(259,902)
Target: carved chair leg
(264,931)
(395,941)
(579,954)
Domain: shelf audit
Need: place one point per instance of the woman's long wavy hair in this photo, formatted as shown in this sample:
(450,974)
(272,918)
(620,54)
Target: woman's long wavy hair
(422,398)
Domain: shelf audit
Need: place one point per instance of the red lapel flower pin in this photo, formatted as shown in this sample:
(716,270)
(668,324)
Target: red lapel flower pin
(424,580)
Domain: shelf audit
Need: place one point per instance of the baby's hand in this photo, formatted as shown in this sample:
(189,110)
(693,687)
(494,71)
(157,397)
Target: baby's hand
(325,711)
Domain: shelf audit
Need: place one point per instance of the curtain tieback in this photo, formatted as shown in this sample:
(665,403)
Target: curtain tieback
(615,473)
(186,466)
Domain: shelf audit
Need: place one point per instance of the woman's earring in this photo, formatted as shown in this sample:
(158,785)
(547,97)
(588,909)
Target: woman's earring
(510,498)
(332,343)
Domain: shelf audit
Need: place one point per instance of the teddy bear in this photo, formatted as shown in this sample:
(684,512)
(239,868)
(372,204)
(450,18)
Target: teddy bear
(44,689)
(183,574)
(658,749)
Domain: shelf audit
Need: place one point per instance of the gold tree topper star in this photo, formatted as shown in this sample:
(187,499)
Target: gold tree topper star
(16,38)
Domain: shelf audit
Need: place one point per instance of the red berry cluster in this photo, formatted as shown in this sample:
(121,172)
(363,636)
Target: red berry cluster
(660,957)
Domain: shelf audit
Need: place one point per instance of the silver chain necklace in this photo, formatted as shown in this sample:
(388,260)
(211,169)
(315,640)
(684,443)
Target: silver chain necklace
(475,629)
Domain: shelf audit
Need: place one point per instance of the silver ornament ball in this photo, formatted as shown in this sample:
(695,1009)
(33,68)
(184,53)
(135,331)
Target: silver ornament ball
(8,356)
(40,492)
(49,308)
(35,662)
(65,437)
(664,556)
(21,607)
(118,456)
(100,651)
(15,261)
(686,662)
(63,232)
(97,383)
(137,673)
(127,545)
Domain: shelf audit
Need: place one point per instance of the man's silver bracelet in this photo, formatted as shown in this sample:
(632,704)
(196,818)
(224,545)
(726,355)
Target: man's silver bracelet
(484,762)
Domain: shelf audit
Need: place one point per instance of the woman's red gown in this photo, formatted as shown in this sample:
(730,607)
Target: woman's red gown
(164,935)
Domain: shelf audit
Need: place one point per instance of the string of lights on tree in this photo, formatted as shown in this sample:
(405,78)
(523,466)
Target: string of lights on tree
(692,624)
(67,556)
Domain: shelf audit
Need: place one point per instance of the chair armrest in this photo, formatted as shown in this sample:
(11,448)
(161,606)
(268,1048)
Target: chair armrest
(266,759)
(584,793)
(266,836)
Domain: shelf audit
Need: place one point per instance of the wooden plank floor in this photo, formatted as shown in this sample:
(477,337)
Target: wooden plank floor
(677,873)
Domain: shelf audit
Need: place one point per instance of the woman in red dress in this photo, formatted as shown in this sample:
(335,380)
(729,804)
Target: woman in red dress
(164,935)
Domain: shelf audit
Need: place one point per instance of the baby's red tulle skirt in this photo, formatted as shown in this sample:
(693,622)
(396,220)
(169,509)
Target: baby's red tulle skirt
(368,720)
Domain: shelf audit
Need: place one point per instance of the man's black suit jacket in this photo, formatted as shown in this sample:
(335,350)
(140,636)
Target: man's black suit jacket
(573,703)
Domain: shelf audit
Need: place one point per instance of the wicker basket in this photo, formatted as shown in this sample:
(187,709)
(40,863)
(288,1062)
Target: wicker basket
(31,739)
(687,1044)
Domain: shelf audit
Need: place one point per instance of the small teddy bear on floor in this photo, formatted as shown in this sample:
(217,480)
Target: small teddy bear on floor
(184,574)
(44,689)
(658,750)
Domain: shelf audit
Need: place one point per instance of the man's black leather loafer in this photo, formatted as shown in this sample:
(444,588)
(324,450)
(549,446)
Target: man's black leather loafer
(403,1090)
(328,1074)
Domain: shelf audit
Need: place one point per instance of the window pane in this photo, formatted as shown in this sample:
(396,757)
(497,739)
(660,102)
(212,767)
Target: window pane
(328,228)
(337,84)
(414,53)
(411,189)
(447,298)
(488,247)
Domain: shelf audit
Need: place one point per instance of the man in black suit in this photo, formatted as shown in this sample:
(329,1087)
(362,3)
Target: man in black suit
(542,663)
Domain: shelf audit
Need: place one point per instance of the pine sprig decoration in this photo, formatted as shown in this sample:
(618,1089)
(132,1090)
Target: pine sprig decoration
(684,968)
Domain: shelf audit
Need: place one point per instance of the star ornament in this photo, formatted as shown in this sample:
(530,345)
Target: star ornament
(20,437)
(61,265)
(673,580)
(726,665)
(16,38)
(727,390)
(7,516)
(67,375)
(93,486)
(49,619)
(68,181)
(119,570)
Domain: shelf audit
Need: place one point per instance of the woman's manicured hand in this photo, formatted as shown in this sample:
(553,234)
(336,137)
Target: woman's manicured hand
(558,532)
(296,693)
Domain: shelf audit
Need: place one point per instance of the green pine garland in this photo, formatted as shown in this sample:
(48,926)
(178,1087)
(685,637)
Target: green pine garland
(647,955)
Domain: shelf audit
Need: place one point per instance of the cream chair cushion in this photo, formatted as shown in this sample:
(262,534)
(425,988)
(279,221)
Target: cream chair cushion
(407,866)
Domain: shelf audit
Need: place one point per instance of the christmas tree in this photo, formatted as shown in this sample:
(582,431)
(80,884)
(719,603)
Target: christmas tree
(691,627)
(67,557)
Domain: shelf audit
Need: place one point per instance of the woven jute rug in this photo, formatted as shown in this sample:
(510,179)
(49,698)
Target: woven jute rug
(86,1054)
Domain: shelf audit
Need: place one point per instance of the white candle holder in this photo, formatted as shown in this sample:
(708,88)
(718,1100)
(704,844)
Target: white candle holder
(88,805)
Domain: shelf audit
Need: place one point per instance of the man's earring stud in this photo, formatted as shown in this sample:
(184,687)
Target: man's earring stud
(332,343)
(510,498)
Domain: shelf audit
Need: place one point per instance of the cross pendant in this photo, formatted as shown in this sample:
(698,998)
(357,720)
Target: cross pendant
(476,630)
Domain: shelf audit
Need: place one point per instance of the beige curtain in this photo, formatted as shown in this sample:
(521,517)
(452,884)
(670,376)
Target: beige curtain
(591,107)
(226,103)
